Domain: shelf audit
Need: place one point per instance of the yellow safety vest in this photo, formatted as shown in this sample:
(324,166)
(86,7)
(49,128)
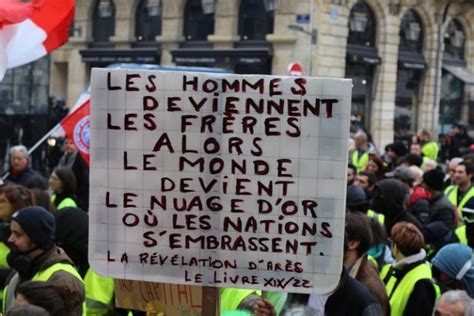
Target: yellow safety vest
(67,202)
(361,162)
(231,298)
(461,234)
(452,193)
(99,293)
(430,150)
(400,294)
(44,275)
(4,251)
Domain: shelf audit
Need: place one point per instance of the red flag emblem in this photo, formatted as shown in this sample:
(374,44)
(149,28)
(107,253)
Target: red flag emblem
(77,127)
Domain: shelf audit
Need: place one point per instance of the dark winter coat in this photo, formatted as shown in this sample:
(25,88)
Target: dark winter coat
(389,199)
(442,210)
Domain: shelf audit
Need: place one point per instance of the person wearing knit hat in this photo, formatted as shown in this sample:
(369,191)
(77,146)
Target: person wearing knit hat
(453,268)
(356,199)
(38,225)
(440,209)
(34,256)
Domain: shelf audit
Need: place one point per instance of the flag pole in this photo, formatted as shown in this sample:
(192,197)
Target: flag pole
(38,143)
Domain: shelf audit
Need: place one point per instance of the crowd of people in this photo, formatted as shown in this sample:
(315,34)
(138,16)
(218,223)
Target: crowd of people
(409,234)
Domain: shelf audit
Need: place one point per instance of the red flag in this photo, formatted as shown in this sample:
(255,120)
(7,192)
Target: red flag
(29,31)
(77,127)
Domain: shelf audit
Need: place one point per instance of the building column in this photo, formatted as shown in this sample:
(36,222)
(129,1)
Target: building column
(383,105)
(171,30)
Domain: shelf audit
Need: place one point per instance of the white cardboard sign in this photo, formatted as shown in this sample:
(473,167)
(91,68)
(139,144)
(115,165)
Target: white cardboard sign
(217,179)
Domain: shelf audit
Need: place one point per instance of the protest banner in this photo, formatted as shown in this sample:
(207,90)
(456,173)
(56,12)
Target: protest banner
(158,298)
(219,180)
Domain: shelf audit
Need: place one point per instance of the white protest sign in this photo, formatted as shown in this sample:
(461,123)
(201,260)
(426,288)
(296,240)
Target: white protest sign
(217,179)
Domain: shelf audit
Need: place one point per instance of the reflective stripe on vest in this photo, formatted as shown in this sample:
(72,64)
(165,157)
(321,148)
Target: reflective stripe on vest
(231,298)
(361,162)
(99,293)
(452,193)
(399,292)
(377,216)
(461,234)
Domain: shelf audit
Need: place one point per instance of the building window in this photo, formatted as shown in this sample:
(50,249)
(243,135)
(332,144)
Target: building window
(24,90)
(451,101)
(197,24)
(411,32)
(255,21)
(362,26)
(148,20)
(454,41)
(103,21)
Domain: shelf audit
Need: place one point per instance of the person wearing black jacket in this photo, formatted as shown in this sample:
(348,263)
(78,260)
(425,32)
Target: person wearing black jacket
(73,160)
(441,208)
(389,199)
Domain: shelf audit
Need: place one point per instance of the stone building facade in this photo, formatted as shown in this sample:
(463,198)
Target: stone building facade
(403,55)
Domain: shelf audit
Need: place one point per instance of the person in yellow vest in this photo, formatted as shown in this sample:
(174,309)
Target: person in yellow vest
(461,195)
(63,184)
(246,300)
(12,198)
(72,235)
(34,257)
(453,268)
(451,171)
(429,147)
(360,156)
(360,239)
(409,280)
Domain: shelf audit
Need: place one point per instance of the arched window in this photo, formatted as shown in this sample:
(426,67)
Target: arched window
(454,38)
(411,32)
(148,20)
(104,21)
(197,24)
(255,21)
(362,26)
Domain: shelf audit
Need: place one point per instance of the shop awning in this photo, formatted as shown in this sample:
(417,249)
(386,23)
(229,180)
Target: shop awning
(363,55)
(409,60)
(461,73)
(206,55)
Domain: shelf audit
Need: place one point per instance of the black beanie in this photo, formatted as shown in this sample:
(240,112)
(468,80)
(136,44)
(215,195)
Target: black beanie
(355,196)
(38,224)
(434,179)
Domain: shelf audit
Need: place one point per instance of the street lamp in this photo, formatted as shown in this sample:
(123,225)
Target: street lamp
(413,32)
(153,7)
(105,8)
(313,33)
(358,21)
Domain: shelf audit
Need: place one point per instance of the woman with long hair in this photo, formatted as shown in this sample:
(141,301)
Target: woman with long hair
(63,184)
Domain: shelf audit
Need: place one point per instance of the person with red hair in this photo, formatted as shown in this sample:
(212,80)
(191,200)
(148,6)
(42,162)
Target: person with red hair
(409,279)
